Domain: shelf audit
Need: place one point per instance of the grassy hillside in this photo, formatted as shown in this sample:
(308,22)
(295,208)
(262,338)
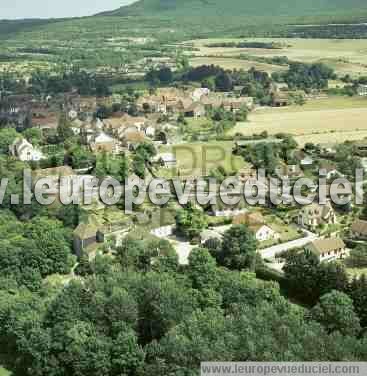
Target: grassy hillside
(258,8)
(8,27)
(150,28)
(178,19)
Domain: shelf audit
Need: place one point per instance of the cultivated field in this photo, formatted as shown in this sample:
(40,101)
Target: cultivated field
(200,158)
(233,63)
(344,55)
(334,119)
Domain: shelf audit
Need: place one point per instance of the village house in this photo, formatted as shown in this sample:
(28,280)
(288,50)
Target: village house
(165,100)
(264,233)
(211,101)
(358,229)
(285,171)
(362,90)
(88,105)
(327,150)
(25,151)
(87,133)
(122,132)
(68,101)
(113,124)
(196,110)
(361,148)
(166,160)
(314,215)
(45,119)
(76,126)
(304,159)
(236,105)
(103,143)
(256,223)
(152,104)
(118,126)
(328,249)
(150,131)
(15,110)
(72,114)
(198,93)
(84,236)
(329,170)
(245,174)
(280,99)
(180,106)
(132,140)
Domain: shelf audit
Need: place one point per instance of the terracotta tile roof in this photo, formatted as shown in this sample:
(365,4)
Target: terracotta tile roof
(134,137)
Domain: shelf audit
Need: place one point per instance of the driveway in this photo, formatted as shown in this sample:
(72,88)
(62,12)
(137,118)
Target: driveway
(183,250)
(271,252)
(181,246)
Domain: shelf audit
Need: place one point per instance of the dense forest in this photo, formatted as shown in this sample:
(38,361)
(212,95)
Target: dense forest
(132,316)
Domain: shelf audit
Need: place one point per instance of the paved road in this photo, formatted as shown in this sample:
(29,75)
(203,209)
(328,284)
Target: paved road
(183,250)
(271,252)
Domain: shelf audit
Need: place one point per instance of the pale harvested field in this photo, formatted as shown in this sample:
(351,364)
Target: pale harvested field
(232,63)
(335,119)
(335,137)
(345,55)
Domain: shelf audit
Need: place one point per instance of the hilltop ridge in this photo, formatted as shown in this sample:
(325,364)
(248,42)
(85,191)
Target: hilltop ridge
(258,8)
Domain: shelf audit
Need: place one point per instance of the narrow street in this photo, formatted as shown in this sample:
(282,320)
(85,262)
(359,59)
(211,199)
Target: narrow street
(271,252)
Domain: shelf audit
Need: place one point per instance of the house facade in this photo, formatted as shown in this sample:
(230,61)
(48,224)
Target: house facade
(362,90)
(285,171)
(237,104)
(314,215)
(103,143)
(329,249)
(25,151)
(264,233)
(280,99)
(196,110)
(358,229)
(256,223)
(84,236)
(329,170)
